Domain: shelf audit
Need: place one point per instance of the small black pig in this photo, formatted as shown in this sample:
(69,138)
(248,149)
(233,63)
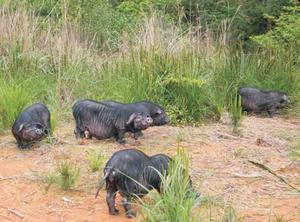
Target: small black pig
(256,100)
(132,173)
(32,125)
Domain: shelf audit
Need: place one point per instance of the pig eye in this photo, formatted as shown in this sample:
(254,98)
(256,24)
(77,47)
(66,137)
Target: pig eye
(39,126)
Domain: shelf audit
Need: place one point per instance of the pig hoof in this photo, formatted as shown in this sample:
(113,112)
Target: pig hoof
(130,215)
(114,212)
(121,142)
(26,146)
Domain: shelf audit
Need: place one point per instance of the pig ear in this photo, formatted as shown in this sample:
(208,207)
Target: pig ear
(21,127)
(159,111)
(131,118)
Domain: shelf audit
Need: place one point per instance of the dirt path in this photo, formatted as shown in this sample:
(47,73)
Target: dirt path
(219,168)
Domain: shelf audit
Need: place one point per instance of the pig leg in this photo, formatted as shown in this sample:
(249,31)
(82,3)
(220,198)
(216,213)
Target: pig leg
(78,133)
(120,136)
(111,192)
(271,113)
(127,206)
(22,145)
(136,135)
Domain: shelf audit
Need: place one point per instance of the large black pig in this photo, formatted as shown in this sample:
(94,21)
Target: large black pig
(132,173)
(95,119)
(256,100)
(156,112)
(31,125)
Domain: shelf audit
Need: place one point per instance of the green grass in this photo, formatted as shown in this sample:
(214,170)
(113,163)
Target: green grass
(195,79)
(176,200)
(64,175)
(230,215)
(96,160)
(295,151)
(235,110)
(67,174)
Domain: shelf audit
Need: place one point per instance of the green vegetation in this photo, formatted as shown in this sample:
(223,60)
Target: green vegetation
(235,108)
(286,33)
(64,175)
(96,160)
(59,51)
(177,200)
(230,215)
(67,174)
(295,151)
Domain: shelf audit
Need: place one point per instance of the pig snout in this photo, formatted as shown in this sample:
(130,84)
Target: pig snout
(148,121)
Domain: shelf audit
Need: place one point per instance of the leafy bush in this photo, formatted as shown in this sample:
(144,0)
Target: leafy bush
(286,34)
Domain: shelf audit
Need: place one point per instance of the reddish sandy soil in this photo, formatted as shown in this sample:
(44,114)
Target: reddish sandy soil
(219,167)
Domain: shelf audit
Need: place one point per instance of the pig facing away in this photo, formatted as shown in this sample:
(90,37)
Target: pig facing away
(257,101)
(95,119)
(132,173)
(32,125)
(155,111)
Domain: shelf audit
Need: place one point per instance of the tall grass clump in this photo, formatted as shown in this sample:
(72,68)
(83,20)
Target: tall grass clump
(235,109)
(193,73)
(67,174)
(14,97)
(177,200)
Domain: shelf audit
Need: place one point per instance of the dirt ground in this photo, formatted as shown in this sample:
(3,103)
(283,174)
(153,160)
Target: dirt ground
(219,167)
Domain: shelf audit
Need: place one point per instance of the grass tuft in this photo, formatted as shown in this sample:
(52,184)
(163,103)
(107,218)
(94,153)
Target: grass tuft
(96,160)
(67,174)
(230,215)
(235,110)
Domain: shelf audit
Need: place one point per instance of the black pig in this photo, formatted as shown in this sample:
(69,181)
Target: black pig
(31,125)
(132,173)
(256,100)
(95,119)
(156,112)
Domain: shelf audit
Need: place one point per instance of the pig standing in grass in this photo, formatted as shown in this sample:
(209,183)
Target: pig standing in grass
(132,173)
(256,100)
(31,125)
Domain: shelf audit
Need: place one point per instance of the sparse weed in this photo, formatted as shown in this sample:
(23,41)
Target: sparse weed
(50,179)
(180,136)
(67,174)
(240,152)
(96,160)
(230,215)
(280,219)
(235,110)
(295,151)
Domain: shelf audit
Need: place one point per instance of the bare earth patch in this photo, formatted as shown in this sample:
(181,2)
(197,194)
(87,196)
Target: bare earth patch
(219,167)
